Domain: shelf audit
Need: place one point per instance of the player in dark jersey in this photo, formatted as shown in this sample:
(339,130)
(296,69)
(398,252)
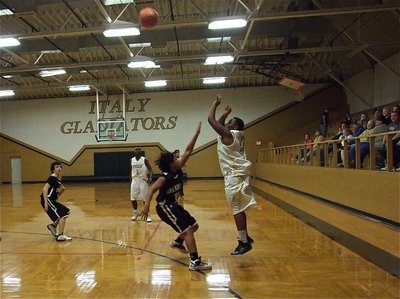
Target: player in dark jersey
(57,212)
(169,185)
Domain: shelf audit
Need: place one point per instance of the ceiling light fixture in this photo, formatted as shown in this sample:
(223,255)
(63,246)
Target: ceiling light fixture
(127,31)
(227,24)
(9,42)
(214,80)
(218,39)
(79,87)
(142,64)
(7,76)
(156,83)
(219,59)
(49,73)
(113,2)
(50,51)
(6,93)
(139,45)
(5,12)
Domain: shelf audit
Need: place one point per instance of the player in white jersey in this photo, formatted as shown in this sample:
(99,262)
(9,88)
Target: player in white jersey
(141,173)
(236,171)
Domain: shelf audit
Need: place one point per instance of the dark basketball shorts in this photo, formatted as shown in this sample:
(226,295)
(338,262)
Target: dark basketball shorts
(175,216)
(56,210)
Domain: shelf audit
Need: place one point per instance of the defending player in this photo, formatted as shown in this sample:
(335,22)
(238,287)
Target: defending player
(170,211)
(236,171)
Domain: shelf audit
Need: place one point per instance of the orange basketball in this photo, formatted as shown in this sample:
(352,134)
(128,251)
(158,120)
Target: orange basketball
(148,17)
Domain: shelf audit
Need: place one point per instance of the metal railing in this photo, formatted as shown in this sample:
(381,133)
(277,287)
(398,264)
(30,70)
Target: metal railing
(326,153)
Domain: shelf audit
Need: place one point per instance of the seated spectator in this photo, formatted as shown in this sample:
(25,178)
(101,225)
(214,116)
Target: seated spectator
(346,135)
(380,149)
(386,114)
(308,141)
(318,139)
(364,144)
(357,129)
(396,108)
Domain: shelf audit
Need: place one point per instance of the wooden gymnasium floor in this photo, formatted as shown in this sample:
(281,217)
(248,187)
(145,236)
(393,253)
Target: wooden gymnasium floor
(114,257)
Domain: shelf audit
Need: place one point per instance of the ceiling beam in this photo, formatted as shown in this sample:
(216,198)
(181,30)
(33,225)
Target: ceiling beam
(272,52)
(176,24)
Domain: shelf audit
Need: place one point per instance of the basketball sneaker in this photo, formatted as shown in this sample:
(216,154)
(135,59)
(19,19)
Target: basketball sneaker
(53,229)
(242,248)
(180,247)
(199,265)
(135,215)
(250,240)
(148,218)
(62,237)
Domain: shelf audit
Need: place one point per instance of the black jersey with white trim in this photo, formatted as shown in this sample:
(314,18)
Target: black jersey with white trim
(54,189)
(169,192)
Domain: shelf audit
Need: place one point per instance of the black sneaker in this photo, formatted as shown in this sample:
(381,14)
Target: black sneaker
(250,240)
(53,229)
(242,248)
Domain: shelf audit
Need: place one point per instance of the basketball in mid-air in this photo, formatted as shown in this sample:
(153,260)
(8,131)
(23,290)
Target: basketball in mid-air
(148,17)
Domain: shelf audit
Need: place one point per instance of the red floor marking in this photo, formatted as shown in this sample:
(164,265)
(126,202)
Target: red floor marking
(151,236)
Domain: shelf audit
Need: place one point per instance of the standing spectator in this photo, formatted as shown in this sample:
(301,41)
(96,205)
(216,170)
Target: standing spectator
(386,114)
(364,120)
(380,127)
(347,119)
(236,170)
(324,123)
(56,211)
(141,173)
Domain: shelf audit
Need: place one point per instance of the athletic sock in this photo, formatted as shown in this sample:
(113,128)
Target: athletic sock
(194,256)
(243,235)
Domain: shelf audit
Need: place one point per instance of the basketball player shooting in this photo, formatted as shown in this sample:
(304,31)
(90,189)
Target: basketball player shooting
(236,171)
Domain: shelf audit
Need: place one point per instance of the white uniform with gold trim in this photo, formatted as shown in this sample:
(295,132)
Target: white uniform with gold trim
(139,179)
(236,170)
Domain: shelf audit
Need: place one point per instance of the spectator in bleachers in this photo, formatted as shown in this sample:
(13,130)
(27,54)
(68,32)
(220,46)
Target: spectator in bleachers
(364,119)
(364,144)
(377,112)
(386,114)
(396,108)
(317,140)
(308,141)
(357,130)
(346,135)
(324,123)
(394,126)
(380,150)
(348,119)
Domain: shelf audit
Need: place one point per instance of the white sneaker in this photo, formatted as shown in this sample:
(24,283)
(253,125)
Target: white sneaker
(135,215)
(62,237)
(148,218)
(199,265)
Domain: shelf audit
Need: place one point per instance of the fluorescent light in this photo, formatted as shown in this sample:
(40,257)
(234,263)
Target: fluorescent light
(79,87)
(128,31)
(140,45)
(219,59)
(7,76)
(52,73)
(6,12)
(155,83)
(218,39)
(6,93)
(144,64)
(213,80)
(50,51)
(227,24)
(83,71)
(113,2)
(9,42)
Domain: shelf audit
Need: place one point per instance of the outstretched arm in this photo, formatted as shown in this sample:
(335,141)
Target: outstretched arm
(189,148)
(219,125)
(149,195)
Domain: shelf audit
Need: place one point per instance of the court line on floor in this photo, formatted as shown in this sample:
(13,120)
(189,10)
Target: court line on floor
(231,291)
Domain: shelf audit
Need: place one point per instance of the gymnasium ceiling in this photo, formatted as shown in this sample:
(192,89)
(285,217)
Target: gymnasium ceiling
(318,41)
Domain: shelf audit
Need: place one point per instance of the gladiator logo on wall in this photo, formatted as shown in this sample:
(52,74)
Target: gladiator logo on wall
(113,109)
